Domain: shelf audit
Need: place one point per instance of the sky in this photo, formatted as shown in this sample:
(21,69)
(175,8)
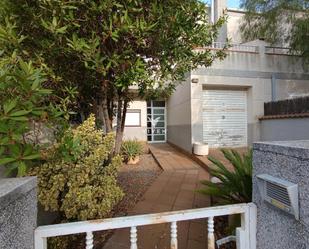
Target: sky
(230,3)
(233,3)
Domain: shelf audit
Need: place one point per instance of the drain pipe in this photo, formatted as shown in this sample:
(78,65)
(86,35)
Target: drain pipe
(212,17)
(212,11)
(273,87)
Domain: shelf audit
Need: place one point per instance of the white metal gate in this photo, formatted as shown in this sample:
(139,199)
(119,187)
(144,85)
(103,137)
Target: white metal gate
(245,234)
(225,118)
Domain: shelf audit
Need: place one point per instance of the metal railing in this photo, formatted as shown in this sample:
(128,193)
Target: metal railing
(245,235)
(277,50)
(236,47)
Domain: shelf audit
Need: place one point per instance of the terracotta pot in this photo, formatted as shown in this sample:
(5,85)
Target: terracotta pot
(133,161)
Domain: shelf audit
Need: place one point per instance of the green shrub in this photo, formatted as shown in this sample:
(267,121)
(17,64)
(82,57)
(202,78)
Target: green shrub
(130,149)
(24,104)
(236,185)
(79,179)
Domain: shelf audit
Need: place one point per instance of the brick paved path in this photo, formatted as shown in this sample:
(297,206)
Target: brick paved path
(172,190)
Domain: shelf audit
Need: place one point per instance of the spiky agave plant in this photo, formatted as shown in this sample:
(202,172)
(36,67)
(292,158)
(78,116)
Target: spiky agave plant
(235,185)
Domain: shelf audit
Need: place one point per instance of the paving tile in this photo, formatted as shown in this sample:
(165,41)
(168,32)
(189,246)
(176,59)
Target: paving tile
(173,190)
(186,202)
(151,196)
(201,201)
(158,208)
(198,232)
(166,199)
(192,244)
(177,208)
(149,236)
(188,186)
(193,172)
(143,207)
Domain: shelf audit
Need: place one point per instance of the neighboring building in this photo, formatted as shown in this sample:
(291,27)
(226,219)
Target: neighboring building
(221,105)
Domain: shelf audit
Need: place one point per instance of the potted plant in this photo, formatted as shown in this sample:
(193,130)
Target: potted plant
(131,150)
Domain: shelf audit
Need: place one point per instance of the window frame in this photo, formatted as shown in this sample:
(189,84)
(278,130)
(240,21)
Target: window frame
(140,117)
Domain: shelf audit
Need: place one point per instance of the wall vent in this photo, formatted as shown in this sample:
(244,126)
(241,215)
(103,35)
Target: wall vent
(279,193)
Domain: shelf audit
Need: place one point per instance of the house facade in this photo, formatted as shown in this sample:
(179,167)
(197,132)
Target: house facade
(221,105)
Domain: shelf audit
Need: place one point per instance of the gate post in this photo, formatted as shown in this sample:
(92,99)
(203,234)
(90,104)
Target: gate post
(246,234)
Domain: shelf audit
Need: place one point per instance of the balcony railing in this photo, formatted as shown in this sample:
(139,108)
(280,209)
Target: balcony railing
(245,235)
(236,47)
(277,50)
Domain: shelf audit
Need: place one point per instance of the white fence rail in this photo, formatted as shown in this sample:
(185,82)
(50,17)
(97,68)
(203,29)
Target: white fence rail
(245,235)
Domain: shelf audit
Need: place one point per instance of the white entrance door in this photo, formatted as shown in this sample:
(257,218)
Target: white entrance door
(225,118)
(156,121)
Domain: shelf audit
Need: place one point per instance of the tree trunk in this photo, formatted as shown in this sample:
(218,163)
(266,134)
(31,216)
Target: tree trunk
(119,131)
(107,121)
(124,113)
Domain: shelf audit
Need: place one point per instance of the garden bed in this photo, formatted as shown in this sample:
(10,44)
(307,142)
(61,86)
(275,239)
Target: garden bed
(134,180)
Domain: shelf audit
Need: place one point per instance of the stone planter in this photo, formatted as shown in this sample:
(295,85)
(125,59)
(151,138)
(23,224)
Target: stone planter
(133,161)
(201,149)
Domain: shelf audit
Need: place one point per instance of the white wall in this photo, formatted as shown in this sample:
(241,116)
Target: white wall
(139,133)
(179,116)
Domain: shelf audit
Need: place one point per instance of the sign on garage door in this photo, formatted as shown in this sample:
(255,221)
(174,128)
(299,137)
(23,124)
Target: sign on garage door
(225,118)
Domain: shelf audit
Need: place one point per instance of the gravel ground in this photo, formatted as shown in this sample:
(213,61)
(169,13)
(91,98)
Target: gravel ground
(135,180)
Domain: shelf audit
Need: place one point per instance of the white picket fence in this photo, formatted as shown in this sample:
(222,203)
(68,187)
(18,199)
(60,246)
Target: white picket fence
(245,235)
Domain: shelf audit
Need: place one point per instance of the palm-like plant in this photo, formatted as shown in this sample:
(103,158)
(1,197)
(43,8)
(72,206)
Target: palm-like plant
(236,184)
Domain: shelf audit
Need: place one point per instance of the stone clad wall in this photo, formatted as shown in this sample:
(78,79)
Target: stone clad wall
(290,161)
(18,212)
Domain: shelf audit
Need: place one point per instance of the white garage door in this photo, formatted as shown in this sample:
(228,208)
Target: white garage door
(225,118)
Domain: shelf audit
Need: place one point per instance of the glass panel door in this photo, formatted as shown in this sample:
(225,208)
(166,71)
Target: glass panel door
(156,121)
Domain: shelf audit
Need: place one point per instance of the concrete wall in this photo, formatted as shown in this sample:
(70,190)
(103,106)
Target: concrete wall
(179,116)
(289,161)
(234,20)
(18,212)
(251,72)
(139,133)
(284,129)
(220,7)
(285,67)
(293,88)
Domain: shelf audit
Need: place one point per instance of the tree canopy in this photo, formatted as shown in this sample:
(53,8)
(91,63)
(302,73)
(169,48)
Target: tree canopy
(279,22)
(104,47)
